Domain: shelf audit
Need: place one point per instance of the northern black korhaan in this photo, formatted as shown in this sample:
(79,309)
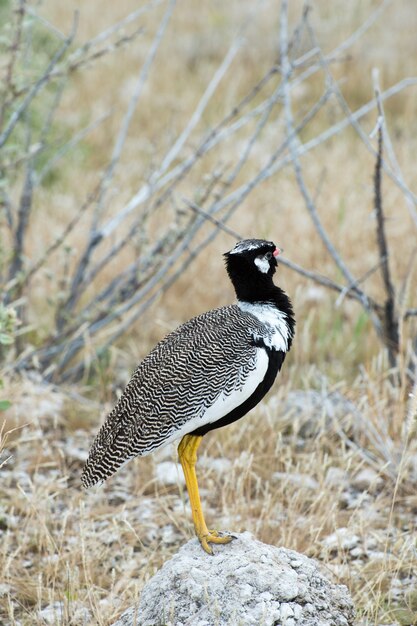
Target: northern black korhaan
(207,373)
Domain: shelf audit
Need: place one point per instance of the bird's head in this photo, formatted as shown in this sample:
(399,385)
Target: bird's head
(251,265)
(256,254)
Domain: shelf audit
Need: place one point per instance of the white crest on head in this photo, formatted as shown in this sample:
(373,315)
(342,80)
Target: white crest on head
(246,245)
(275,321)
(262,264)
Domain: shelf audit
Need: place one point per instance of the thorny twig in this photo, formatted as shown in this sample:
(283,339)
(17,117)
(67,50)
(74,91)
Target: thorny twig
(36,88)
(122,299)
(393,172)
(389,319)
(95,234)
(308,200)
(14,49)
(384,316)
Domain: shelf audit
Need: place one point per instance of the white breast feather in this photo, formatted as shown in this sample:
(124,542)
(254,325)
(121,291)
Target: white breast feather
(274,319)
(226,403)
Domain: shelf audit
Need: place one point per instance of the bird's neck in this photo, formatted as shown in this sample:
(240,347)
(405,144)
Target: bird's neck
(261,290)
(270,304)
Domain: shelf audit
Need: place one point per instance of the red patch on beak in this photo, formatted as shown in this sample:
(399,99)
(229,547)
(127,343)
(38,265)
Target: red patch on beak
(276,252)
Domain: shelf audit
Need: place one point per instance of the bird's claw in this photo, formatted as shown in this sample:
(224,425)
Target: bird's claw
(213,536)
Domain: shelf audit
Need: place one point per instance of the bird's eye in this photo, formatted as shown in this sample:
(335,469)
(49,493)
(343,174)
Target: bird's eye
(268,256)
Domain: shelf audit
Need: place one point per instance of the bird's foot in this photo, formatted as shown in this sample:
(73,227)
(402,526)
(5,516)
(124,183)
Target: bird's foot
(213,536)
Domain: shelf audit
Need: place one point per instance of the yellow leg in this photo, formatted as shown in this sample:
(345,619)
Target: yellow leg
(187,452)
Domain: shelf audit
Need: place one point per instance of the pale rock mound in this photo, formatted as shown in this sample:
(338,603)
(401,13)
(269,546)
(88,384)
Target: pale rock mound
(245,583)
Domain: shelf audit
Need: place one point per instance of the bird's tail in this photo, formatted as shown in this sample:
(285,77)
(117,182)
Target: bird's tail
(108,453)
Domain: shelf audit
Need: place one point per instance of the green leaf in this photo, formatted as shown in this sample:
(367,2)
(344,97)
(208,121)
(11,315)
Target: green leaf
(5,339)
(5,404)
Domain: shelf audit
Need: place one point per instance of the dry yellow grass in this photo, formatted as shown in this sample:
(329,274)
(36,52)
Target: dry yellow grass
(87,556)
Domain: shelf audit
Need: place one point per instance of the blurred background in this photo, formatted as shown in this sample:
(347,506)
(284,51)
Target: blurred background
(124,118)
(137,143)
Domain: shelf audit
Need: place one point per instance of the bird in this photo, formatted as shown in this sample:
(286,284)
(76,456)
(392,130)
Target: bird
(206,374)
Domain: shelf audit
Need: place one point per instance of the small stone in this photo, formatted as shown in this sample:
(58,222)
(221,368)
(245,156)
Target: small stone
(53,613)
(4,589)
(300,480)
(81,616)
(219,466)
(371,543)
(310,412)
(367,480)
(169,473)
(357,552)
(336,477)
(286,611)
(341,539)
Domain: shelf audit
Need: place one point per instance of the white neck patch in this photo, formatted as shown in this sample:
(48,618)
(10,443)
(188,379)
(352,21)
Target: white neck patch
(274,319)
(262,264)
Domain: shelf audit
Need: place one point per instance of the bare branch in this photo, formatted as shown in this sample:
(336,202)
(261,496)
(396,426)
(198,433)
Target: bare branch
(363,28)
(317,278)
(338,127)
(395,172)
(220,133)
(95,313)
(36,88)
(380,220)
(77,371)
(390,317)
(198,112)
(220,225)
(96,236)
(25,205)
(121,138)
(114,28)
(63,150)
(309,203)
(59,240)
(362,279)
(14,48)
(175,175)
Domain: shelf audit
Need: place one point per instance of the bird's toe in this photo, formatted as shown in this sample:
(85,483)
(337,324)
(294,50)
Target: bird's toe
(213,536)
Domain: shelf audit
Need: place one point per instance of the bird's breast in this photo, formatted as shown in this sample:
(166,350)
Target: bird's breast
(242,389)
(274,331)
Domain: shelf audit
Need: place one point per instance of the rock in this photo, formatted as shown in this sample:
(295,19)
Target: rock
(52,614)
(55,613)
(169,473)
(298,480)
(311,411)
(219,466)
(245,583)
(368,480)
(336,477)
(341,539)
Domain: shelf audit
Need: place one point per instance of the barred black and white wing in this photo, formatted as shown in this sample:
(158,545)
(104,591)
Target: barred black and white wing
(195,376)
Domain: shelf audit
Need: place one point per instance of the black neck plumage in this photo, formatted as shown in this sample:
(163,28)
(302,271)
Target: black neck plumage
(256,288)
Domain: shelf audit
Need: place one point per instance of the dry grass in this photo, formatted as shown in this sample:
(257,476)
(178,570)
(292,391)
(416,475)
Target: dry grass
(87,556)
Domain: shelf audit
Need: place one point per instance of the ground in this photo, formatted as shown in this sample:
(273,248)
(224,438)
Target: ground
(315,471)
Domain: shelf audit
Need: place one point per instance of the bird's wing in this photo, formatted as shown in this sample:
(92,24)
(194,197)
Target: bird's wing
(194,376)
